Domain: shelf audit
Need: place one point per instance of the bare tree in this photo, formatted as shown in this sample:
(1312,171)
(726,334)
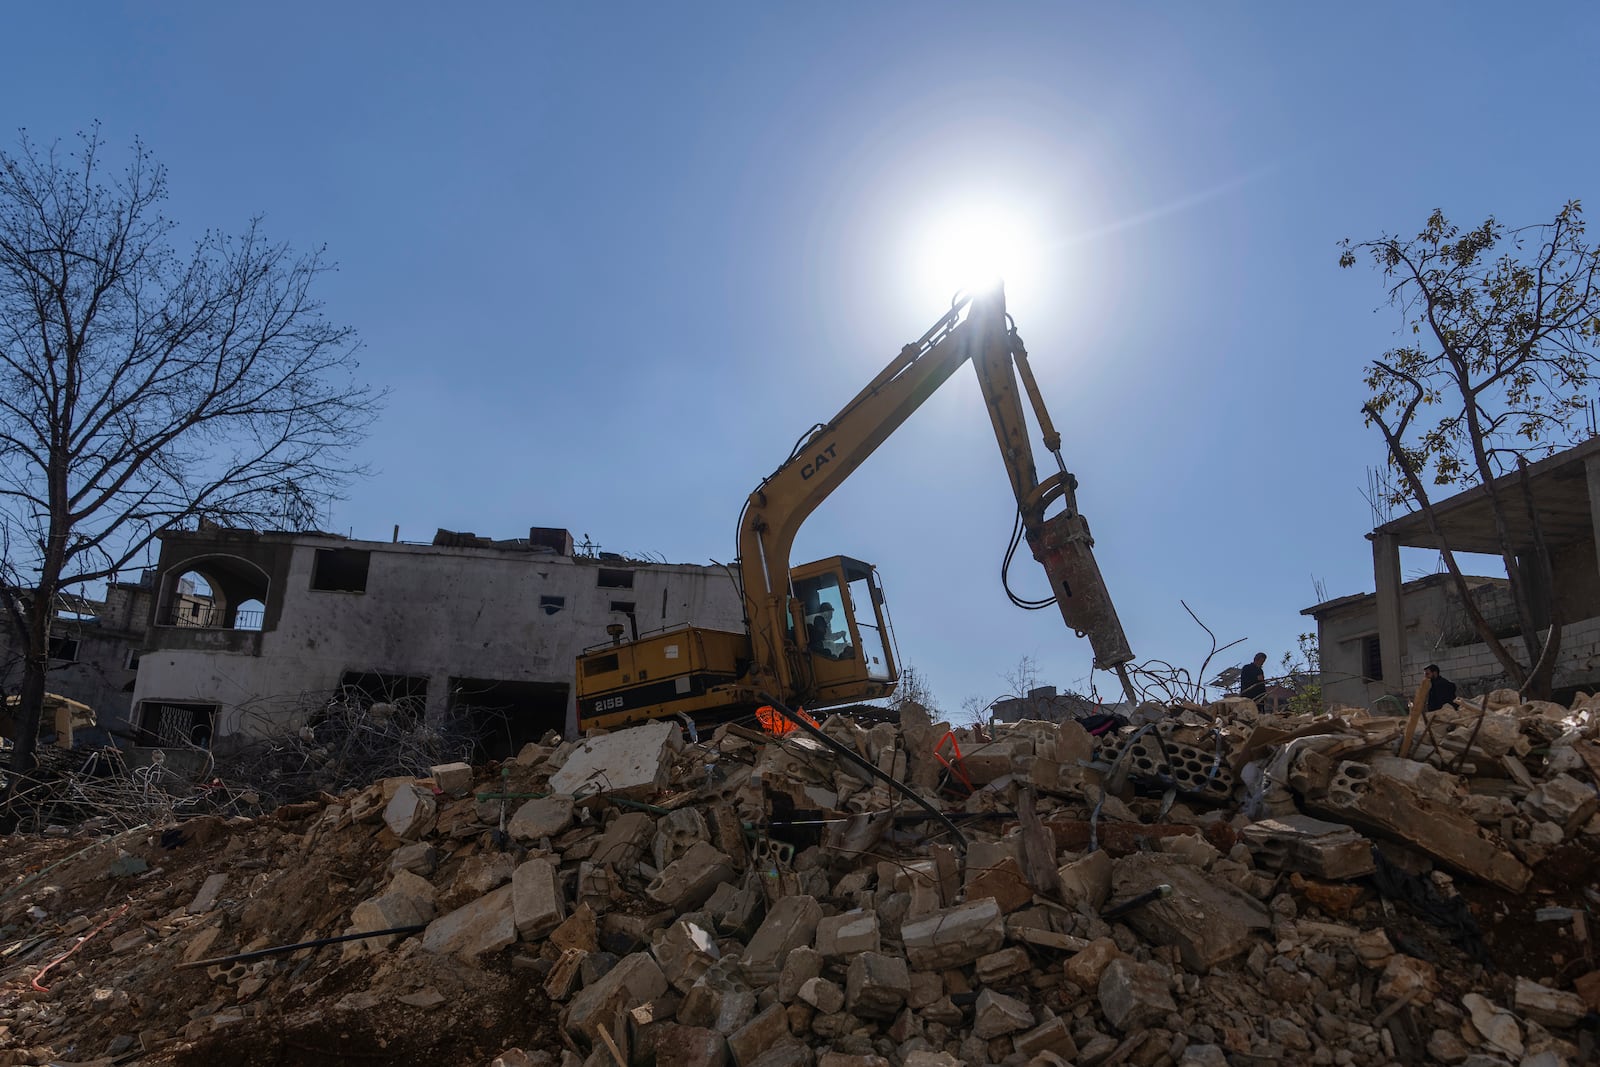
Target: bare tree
(1503,325)
(143,386)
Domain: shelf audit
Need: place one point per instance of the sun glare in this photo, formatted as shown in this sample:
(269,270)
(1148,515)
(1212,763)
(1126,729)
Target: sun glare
(974,247)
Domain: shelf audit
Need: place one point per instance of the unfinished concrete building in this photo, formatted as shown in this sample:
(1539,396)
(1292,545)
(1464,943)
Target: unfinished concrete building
(464,625)
(1374,644)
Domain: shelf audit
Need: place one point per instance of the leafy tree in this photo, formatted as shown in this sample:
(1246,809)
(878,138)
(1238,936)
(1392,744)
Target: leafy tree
(143,385)
(1501,326)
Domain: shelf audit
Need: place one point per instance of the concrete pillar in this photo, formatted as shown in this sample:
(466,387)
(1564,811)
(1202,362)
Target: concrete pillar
(1391,632)
(1539,592)
(1591,468)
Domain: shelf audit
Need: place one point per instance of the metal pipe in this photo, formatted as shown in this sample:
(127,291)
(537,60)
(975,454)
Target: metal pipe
(281,949)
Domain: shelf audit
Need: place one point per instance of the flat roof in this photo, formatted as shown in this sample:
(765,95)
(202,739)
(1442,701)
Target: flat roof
(1560,489)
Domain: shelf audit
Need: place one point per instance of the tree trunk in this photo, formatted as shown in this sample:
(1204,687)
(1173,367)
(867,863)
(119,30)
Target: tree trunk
(1419,492)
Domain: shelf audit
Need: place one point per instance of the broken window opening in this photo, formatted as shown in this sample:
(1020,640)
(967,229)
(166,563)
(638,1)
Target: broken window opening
(340,570)
(1372,658)
(552,604)
(505,715)
(610,578)
(177,725)
(133,659)
(64,649)
(626,607)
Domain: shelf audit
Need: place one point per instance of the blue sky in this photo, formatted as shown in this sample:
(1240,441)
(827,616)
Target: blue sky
(613,259)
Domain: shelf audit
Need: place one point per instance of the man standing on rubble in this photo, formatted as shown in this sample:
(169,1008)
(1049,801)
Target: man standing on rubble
(1253,679)
(1441,690)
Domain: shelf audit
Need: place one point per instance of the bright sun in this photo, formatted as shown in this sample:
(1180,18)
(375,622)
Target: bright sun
(973,247)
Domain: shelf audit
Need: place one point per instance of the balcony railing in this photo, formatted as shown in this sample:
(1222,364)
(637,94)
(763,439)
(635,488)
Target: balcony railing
(201,617)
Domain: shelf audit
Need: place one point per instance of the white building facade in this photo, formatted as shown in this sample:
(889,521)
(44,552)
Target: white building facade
(463,623)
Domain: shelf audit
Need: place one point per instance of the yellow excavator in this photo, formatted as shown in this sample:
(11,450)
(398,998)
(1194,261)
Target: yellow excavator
(818,635)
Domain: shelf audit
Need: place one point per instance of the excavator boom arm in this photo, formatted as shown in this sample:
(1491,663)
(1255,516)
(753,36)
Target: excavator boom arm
(833,450)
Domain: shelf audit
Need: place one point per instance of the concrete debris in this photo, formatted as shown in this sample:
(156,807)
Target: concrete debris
(1212,885)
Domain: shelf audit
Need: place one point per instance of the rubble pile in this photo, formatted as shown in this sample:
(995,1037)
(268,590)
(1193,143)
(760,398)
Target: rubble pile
(1207,886)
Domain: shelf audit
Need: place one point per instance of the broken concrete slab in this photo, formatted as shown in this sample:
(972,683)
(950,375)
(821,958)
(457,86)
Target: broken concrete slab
(488,924)
(1134,995)
(790,923)
(876,985)
(1301,843)
(1386,806)
(453,778)
(951,937)
(411,812)
(689,881)
(1208,920)
(758,1035)
(1551,1007)
(634,980)
(995,1015)
(207,896)
(540,818)
(537,901)
(848,934)
(635,761)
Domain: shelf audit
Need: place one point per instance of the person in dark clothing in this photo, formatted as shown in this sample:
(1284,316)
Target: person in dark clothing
(1253,679)
(1441,690)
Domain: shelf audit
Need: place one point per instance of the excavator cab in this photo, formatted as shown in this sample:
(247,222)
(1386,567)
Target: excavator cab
(842,625)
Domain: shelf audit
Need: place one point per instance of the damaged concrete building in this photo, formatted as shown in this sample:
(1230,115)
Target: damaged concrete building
(94,648)
(488,628)
(1376,644)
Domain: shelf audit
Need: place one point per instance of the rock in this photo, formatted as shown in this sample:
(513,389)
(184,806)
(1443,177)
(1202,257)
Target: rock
(689,881)
(540,818)
(1004,883)
(1086,880)
(1203,1056)
(418,857)
(847,934)
(624,841)
(636,761)
(487,924)
(1051,1036)
(1588,987)
(1498,1026)
(452,778)
(690,1046)
(1300,843)
(1407,978)
(790,924)
(1548,1006)
(1446,1047)
(998,966)
(1134,995)
(536,897)
(1191,849)
(758,1035)
(1441,830)
(924,1058)
(1564,801)
(799,966)
(634,980)
(411,813)
(996,1015)
(1085,969)
(210,890)
(822,994)
(876,985)
(950,937)
(1209,921)
(685,950)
